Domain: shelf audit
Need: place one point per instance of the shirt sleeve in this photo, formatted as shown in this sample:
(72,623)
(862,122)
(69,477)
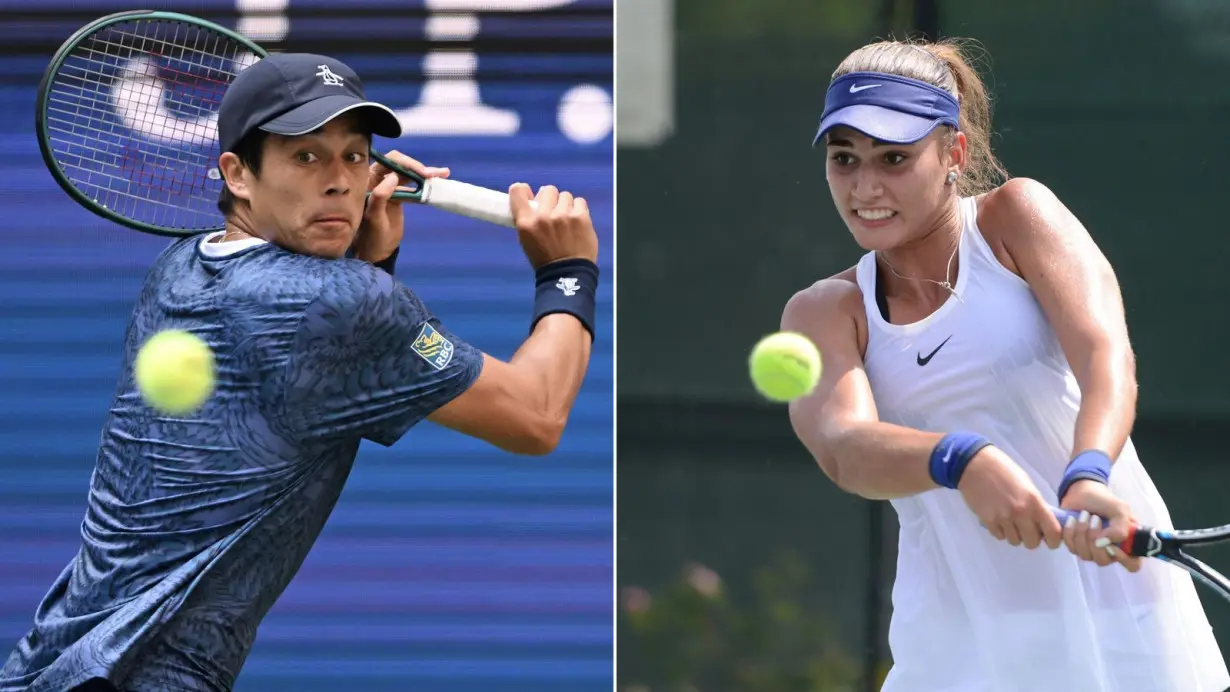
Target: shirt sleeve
(369,360)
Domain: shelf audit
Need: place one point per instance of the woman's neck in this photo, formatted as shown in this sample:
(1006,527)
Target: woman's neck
(922,266)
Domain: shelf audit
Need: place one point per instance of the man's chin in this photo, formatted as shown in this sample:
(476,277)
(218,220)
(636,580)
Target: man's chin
(329,245)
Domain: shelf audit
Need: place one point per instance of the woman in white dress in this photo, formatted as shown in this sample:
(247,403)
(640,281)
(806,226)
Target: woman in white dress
(977,373)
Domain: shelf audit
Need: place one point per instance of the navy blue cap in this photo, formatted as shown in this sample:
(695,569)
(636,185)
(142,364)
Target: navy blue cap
(293,94)
(887,107)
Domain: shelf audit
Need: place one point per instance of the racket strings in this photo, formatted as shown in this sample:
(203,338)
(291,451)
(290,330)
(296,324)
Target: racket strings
(132,118)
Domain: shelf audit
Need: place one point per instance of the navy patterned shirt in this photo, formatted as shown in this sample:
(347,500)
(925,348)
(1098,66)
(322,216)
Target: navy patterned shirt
(195,525)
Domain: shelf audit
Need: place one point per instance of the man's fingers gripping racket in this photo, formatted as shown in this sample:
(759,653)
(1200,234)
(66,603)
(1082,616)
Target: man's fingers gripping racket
(452,196)
(522,200)
(468,200)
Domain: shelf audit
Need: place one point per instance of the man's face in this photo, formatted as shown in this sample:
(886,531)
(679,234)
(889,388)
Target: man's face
(310,195)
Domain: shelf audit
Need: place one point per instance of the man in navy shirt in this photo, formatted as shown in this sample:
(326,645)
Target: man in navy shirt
(195,525)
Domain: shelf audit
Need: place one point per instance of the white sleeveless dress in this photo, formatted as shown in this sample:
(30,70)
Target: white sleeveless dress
(973,614)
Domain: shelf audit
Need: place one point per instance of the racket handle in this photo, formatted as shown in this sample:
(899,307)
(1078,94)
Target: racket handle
(469,200)
(1064,514)
(1128,546)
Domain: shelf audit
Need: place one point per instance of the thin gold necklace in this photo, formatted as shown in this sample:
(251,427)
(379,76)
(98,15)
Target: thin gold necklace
(947,282)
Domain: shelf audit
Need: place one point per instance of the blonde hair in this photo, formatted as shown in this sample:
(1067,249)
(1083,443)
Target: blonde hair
(949,65)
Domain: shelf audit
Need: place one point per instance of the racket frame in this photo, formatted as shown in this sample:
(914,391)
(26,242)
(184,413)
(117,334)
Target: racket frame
(1198,569)
(1168,546)
(74,41)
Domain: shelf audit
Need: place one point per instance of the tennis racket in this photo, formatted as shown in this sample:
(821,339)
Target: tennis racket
(1170,546)
(127,119)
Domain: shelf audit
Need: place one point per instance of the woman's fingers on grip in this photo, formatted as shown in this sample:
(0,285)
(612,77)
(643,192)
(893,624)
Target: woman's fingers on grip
(1105,544)
(1069,533)
(1085,536)
(1101,554)
(1052,530)
(1011,534)
(1029,531)
(1076,535)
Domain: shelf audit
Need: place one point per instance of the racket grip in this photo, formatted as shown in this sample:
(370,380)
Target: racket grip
(469,200)
(1064,514)
(1128,546)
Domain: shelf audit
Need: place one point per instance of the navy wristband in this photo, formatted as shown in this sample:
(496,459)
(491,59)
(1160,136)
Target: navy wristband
(569,286)
(952,454)
(1090,465)
(386,265)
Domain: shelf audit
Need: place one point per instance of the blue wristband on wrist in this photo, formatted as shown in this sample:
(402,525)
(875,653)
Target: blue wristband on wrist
(952,454)
(568,286)
(1090,465)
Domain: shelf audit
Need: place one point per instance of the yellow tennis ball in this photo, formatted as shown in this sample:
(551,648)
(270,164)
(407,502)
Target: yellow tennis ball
(174,371)
(785,366)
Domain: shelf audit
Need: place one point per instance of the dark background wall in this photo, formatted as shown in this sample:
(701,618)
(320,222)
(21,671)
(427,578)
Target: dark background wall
(447,565)
(1117,106)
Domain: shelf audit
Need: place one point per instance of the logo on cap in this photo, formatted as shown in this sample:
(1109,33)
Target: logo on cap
(328,77)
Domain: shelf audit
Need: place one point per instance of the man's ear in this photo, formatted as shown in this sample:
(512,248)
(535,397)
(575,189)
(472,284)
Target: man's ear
(234,174)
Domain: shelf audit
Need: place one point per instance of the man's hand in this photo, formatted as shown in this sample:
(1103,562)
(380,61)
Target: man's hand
(383,224)
(558,228)
(1095,501)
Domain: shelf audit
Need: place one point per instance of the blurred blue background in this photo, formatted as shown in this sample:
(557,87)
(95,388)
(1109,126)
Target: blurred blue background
(447,565)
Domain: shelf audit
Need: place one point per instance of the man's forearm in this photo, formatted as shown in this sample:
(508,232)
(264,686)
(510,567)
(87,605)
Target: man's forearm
(555,358)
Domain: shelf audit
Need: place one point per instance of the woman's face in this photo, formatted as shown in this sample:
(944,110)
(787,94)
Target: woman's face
(889,194)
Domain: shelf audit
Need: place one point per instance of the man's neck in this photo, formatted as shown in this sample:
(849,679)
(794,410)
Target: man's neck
(237,228)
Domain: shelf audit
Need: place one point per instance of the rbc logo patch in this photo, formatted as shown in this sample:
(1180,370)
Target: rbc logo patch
(433,347)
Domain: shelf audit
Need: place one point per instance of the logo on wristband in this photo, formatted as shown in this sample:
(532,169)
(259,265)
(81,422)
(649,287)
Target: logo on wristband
(433,347)
(569,286)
